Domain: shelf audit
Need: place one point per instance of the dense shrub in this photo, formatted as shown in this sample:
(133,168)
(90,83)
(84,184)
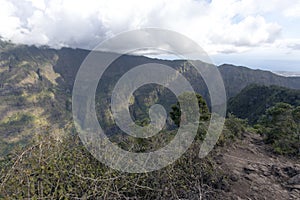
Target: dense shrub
(66,170)
(281,128)
(234,129)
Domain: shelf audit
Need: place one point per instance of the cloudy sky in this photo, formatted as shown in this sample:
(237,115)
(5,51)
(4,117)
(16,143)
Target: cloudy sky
(255,33)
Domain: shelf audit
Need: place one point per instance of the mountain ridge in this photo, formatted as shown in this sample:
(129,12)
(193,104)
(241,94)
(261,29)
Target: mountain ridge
(38,81)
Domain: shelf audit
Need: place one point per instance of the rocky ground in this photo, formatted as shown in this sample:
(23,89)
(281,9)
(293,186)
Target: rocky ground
(256,173)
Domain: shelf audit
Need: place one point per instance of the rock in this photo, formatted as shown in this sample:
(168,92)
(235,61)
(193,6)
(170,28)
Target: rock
(296,187)
(255,188)
(295,194)
(291,171)
(252,177)
(267,173)
(265,170)
(249,169)
(292,187)
(295,180)
(234,177)
(276,171)
(235,197)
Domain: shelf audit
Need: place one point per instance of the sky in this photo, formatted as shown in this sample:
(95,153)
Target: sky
(253,33)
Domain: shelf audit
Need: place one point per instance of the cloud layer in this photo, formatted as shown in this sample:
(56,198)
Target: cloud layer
(219,26)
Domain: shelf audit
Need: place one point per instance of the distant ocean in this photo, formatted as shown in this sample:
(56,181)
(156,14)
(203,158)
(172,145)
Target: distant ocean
(287,74)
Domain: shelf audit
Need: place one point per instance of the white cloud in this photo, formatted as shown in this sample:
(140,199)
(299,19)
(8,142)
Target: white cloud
(9,23)
(293,11)
(290,44)
(39,4)
(220,26)
(251,31)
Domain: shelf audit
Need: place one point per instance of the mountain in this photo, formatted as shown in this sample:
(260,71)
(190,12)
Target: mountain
(48,159)
(36,87)
(252,102)
(32,99)
(237,77)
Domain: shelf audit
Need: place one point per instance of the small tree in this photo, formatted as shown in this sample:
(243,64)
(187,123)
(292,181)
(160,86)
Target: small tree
(280,126)
(203,109)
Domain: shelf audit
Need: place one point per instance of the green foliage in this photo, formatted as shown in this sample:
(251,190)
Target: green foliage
(281,128)
(254,100)
(175,114)
(203,109)
(234,129)
(54,169)
(68,105)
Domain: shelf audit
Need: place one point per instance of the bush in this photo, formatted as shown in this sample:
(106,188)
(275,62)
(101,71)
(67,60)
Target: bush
(57,170)
(281,128)
(234,128)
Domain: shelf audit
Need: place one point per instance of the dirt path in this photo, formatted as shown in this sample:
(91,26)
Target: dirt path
(257,173)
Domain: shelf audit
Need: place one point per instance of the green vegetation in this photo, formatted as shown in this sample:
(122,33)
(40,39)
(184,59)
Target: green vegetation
(50,168)
(43,158)
(203,109)
(281,128)
(276,112)
(18,119)
(12,128)
(254,100)
(65,170)
(233,130)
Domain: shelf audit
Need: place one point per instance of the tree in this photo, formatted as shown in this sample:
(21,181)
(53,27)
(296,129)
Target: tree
(280,127)
(203,109)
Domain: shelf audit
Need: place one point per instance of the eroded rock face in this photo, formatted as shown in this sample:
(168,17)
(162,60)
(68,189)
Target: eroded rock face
(295,180)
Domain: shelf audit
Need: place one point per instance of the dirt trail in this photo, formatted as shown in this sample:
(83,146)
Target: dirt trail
(257,173)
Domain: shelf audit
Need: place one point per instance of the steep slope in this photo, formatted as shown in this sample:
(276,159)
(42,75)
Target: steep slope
(36,85)
(237,77)
(32,102)
(254,100)
(35,92)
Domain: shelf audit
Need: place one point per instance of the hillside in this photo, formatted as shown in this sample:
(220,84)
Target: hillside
(32,100)
(41,155)
(241,166)
(36,85)
(252,102)
(237,77)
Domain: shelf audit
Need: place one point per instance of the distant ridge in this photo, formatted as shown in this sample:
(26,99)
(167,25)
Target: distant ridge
(287,74)
(237,78)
